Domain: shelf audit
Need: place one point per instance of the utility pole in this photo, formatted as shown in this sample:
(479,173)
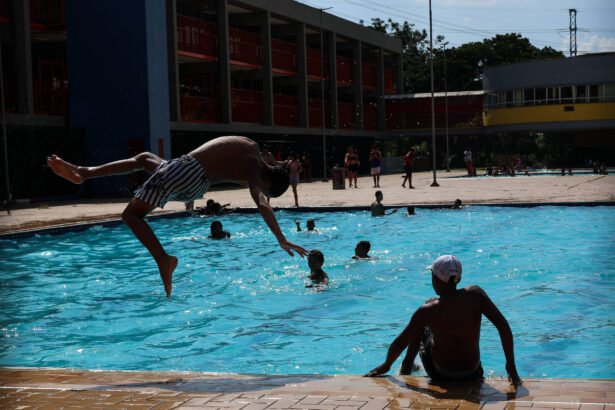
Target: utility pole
(573,32)
(4,139)
(322,98)
(433,106)
(448,158)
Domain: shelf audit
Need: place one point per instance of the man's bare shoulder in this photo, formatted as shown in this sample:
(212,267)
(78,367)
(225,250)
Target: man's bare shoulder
(474,291)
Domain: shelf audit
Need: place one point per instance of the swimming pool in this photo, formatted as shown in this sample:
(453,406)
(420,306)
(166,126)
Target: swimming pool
(94,299)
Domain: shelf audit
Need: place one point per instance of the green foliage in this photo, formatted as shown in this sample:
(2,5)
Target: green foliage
(464,64)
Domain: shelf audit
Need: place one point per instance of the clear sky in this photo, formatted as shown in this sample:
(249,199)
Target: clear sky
(543,22)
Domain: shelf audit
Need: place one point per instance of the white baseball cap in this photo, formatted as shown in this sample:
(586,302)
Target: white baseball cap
(445,267)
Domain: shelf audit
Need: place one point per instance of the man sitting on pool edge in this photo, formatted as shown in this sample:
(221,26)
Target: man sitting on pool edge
(447,330)
(225,159)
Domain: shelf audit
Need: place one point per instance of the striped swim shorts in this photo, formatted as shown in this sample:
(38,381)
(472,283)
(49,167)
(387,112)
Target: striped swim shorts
(181,179)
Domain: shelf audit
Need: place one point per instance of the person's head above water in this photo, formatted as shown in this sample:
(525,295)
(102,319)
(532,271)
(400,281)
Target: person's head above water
(315,259)
(311,224)
(378,195)
(410,210)
(362,249)
(277,180)
(446,273)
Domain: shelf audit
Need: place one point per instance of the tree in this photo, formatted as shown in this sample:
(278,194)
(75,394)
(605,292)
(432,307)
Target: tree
(465,63)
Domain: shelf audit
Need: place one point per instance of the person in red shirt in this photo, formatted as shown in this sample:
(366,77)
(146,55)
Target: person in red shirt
(408,165)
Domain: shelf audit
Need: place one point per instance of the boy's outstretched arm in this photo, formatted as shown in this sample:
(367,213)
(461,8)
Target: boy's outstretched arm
(501,324)
(266,212)
(409,337)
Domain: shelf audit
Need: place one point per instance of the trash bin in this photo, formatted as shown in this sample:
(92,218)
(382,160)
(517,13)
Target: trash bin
(337,177)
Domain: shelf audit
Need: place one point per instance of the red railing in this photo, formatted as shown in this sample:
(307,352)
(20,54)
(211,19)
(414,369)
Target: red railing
(247,105)
(197,36)
(200,109)
(315,112)
(48,13)
(286,110)
(283,56)
(4,17)
(389,85)
(345,70)
(346,115)
(369,76)
(50,97)
(370,116)
(314,63)
(245,47)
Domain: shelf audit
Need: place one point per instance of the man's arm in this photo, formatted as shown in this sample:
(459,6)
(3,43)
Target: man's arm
(501,324)
(266,212)
(411,337)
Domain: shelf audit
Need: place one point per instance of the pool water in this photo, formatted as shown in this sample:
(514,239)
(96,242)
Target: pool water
(94,299)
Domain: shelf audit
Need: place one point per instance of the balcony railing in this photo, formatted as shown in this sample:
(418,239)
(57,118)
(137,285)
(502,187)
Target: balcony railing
(247,105)
(345,70)
(48,13)
(286,110)
(346,115)
(197,36)
(283,56)
(314,63)
(50,97)
(200,109)
(245,48)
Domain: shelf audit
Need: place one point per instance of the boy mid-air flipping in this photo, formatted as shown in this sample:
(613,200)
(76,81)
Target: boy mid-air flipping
(224,159)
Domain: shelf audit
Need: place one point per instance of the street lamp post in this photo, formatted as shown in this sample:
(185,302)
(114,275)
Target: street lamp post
(433,109)
(448,157)
(322,98)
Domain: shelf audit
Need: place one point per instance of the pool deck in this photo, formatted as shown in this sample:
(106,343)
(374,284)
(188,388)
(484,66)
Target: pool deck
(487,190)
(80,389)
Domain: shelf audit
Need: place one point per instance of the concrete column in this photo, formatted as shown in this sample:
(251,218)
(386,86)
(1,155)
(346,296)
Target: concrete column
(267,74)
(23,56)
(358,84)
(302,83)
(224,67)
(399,72)
(380,88)
(174,101)
(333,79)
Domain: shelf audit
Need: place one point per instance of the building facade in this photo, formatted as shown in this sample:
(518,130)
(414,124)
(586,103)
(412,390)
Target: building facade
(96,81)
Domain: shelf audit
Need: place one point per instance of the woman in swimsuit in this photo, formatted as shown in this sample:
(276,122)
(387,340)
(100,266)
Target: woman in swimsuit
(294,169)
(351,162)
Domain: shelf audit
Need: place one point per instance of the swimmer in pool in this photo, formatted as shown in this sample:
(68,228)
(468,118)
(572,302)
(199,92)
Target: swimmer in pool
(316,259)
(224,159)
(377,207)
(216,231)
(445,331)
(361,250)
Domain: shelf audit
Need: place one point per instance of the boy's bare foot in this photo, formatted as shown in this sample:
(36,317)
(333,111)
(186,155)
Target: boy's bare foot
(166,273)
(64,169)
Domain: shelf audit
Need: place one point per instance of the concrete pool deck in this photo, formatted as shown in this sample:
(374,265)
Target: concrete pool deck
(487,190)
(81,389)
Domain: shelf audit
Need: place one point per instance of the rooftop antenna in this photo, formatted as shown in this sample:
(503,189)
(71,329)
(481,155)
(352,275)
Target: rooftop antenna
(573,32)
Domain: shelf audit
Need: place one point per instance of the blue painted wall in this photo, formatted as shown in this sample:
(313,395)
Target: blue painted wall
(118,73)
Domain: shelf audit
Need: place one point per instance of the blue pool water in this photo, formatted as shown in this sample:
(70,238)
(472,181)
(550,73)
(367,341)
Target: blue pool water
(94,299)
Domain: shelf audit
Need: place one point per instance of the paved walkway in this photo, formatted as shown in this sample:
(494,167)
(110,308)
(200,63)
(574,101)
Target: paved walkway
(481,190)
(74,389)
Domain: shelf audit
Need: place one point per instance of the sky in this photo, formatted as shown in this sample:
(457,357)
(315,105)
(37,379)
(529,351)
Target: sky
(543,22)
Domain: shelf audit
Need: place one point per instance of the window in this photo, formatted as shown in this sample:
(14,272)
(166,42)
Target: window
(518,98)
(492,100)
(553,95)
(566,95)
(501,99)
(594,95)
(541,96)
(609,92)
(581,94)
(509,98)
(528,96)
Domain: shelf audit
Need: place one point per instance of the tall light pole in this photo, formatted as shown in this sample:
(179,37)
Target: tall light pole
(4,139)
(448,158)
(433,107)
(322,98)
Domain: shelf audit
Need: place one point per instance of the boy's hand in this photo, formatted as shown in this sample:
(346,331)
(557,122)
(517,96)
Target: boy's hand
(378,371)
(290,247)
